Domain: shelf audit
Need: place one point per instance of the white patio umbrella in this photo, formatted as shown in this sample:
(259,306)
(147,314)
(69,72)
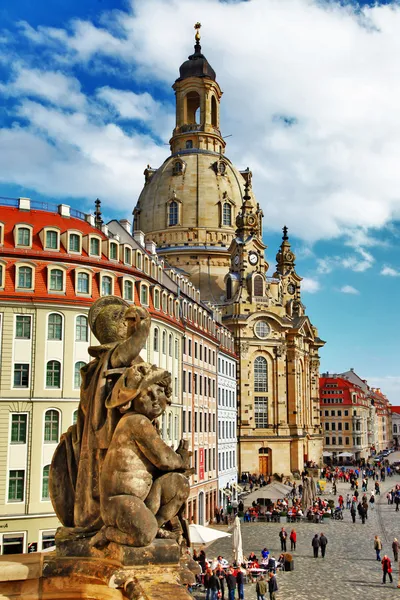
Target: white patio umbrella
(205,535)
(326,453)
(346,454)
(237,542)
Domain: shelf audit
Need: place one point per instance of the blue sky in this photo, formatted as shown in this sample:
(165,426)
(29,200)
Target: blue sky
(311,99)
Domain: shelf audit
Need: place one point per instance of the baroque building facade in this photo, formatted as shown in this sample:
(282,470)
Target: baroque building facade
(54,263)
(201,211)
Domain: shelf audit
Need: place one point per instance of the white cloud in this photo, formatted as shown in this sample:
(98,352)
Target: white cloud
(332,172)
(310,285)
(348,289)
(54,87)
(389,271)
(358,262)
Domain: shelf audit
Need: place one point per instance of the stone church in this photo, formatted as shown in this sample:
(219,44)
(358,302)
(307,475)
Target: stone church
(201,211)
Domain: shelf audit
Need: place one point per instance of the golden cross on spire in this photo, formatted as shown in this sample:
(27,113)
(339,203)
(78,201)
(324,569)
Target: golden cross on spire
(197,28)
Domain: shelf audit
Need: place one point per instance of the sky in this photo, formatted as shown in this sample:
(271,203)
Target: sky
(311,102)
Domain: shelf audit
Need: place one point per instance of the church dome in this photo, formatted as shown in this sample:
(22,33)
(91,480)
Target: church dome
(206,190)
(196,66)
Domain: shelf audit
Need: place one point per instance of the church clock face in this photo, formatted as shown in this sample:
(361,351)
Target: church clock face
(253,258)
(291,288)
(236,260)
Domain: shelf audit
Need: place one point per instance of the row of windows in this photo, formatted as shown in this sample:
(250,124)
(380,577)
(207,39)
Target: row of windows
(23,327)
(16,485)
(328,441)
(226,398)
(332,400)
(208,389)
(332,426)
(330,392)
(94,245)
(56,281)
(226,460)
(171,344)
(199,351)
(226,430)
(175,217)
(19,427)
(202,422)
(209,460)
(336,413)
(21,375)
(226,367)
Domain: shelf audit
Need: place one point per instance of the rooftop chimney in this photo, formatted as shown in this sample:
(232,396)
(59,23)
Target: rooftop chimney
(126,225)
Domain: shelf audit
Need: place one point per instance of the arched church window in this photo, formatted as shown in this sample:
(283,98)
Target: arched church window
(229,288)
(260,374)
(226,214)
(173,213)
(258,285)
(189,144)
(178,167)
(214,113)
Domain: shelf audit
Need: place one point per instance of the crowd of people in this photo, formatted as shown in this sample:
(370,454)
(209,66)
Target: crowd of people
(219,577)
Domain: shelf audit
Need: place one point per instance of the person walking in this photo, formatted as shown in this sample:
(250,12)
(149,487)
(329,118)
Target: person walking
(397,501)
(395,548)
(283,536)
(293,539)
(353,513)
(372,501)
(261,588)
(207,585)
(315,545)
(240,583)
(387,569)
(323,542)
(378,547)
(231,584)
(272,586)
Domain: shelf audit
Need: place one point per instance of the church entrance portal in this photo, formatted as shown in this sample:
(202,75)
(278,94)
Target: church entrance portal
(264,461)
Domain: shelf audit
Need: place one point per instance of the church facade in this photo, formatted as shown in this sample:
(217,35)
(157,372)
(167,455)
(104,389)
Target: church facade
(201,212)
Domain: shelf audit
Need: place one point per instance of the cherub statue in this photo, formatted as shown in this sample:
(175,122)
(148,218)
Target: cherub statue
(107,471)
(143,483)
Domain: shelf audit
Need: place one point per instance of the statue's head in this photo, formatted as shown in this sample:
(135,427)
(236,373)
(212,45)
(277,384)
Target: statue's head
(112,319)
(144,389)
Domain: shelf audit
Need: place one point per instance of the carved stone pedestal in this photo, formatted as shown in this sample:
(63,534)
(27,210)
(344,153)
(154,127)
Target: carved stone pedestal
(155,572)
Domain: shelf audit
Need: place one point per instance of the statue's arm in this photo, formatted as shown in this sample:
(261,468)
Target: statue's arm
(153,447)
(124,353)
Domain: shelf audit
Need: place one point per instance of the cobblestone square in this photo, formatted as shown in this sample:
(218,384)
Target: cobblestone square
(349,570)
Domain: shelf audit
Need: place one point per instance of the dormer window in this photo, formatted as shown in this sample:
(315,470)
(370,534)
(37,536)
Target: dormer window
(226,214)
(173,213)
(51,240)
(56,280)
(127,256)
(178,167)
(94,247)
(221,167)
(74,242)
(1,234)
(113,253)
(23,236)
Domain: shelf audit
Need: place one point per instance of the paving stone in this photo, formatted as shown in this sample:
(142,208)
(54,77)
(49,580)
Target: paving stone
(348,571)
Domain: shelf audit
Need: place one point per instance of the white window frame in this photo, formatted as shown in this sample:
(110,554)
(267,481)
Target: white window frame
(56,267)
(97,237)
(142,285)
(132,281)
(90,274)
(78,233)
(111,276)
(51,388)
(43,235)
(22,412)
(45,443)
(53,312)
(19,226)
(18,266)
